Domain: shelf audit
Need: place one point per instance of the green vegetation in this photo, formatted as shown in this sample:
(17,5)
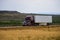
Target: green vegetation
(11,23)
(56,19)
(11,18)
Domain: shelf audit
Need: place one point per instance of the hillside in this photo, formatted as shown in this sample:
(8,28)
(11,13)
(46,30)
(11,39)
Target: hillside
(16,18)
(11,18)
(11,15)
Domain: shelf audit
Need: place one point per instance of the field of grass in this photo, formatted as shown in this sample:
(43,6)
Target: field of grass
(10,23)
(30,33)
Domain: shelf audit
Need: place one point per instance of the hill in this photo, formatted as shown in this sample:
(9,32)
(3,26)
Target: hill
(16,18)
(11,15)
(11,18)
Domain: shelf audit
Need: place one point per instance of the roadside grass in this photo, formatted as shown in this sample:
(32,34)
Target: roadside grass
(30,33)
(11,23)
(39,38)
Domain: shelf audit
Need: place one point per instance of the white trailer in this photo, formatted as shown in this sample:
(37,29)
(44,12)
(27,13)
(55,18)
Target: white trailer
(42,20)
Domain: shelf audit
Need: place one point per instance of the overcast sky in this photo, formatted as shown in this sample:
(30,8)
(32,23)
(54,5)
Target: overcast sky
(31,6)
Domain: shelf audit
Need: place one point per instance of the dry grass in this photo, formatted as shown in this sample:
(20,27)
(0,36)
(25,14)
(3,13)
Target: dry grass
(30,33)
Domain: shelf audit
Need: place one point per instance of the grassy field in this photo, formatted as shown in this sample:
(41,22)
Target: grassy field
(30,33)
(10,23)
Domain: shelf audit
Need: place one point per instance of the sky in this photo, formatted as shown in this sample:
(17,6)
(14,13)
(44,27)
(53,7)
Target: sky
(31,6)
